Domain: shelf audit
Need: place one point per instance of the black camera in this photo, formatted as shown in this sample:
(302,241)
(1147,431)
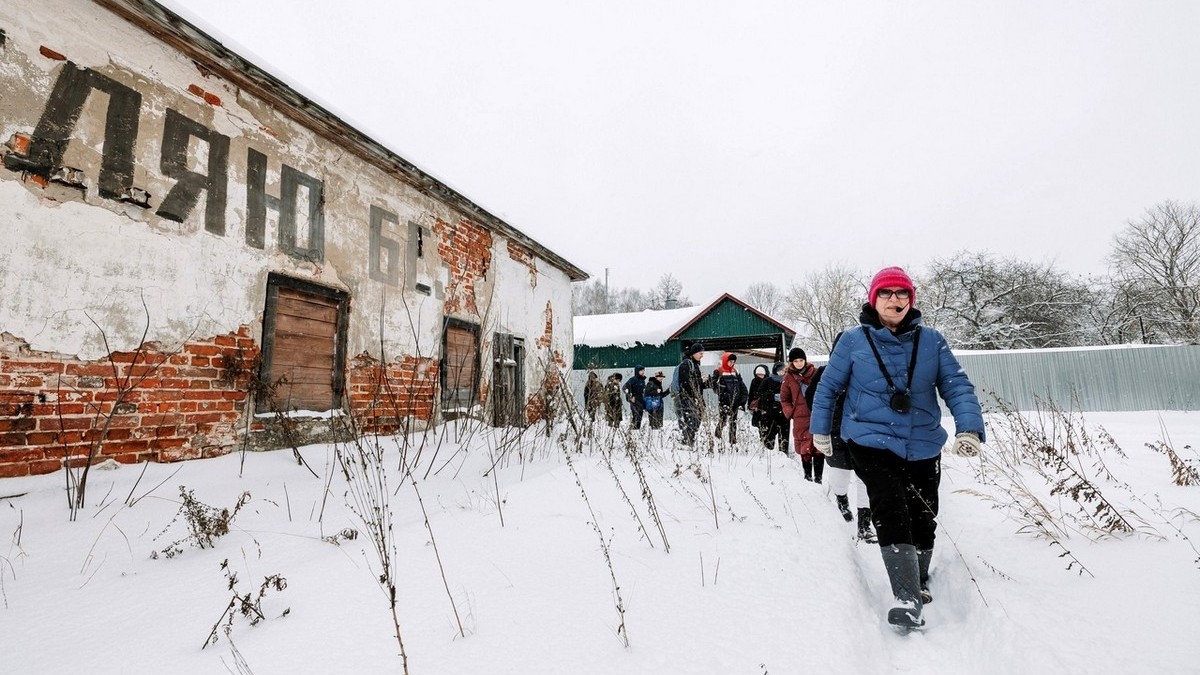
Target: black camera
(901,402)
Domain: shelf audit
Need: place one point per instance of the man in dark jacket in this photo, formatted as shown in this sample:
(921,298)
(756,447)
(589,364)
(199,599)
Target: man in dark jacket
(691,392)
(635,390)
(731,395)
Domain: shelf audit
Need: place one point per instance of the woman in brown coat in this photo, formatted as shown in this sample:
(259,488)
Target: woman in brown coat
(791,394)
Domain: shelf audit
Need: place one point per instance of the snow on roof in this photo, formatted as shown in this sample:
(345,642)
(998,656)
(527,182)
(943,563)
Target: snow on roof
(649,327)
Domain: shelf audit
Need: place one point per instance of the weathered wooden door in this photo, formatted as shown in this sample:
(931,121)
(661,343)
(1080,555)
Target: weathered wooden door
(508,381)
(303,346)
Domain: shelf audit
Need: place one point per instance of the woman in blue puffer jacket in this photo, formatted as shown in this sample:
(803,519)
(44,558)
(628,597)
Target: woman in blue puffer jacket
(893,370)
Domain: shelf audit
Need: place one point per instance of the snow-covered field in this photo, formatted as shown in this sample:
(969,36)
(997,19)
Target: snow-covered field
(551,558)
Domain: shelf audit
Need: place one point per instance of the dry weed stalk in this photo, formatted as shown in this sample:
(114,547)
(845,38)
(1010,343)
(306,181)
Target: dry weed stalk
(104,413)
(206,524)
(1182,471)
(622,631)
(244,604)
(361,462)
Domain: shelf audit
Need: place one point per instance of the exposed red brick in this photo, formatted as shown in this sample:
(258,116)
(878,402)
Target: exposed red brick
(526,257)
(382,395)
(54,406)
(466,248)
(50,53)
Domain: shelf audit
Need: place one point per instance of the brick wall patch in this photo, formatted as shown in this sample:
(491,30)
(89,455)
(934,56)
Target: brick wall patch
(145,404)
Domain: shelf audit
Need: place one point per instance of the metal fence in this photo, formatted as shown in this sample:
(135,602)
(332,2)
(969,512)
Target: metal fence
(1123,378)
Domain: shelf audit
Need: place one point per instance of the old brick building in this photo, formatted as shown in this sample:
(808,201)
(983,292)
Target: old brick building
(188,242)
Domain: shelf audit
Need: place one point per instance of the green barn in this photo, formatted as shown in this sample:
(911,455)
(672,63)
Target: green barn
(658,338)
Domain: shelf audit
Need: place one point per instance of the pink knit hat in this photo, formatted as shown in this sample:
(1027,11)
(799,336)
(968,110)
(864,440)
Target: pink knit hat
(891,277)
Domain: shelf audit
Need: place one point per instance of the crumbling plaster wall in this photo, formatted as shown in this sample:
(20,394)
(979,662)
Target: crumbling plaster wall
(74,256)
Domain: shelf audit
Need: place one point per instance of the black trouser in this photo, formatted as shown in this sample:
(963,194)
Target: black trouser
(775,425)
(903,494)
(689,421)
(635,411)
(656,417)
(728,413)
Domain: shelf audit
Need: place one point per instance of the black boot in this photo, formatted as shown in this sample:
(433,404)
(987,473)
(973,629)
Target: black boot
(923,559)
(843,502)
(865,532)
(808,468)
(900,561)
(818,467)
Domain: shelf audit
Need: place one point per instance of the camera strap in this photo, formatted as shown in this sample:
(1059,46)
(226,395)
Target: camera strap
(912,364)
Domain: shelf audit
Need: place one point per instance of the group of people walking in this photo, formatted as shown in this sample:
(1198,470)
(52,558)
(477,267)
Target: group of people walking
(644,394)
(871,416)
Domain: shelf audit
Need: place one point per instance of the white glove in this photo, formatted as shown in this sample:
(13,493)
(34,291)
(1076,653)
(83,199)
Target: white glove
(966,444)
(824,443)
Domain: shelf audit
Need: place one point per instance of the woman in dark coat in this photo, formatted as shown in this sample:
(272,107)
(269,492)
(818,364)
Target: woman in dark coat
(774,424)
(654,399)
(798,376)
(760,374)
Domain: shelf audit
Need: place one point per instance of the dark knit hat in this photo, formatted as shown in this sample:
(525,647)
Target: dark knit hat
(796,353)
(891,277)
(778,367)
(696,348)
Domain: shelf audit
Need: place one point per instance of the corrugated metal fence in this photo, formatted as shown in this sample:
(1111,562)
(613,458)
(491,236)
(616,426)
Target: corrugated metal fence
(1124,378)
(1099,379)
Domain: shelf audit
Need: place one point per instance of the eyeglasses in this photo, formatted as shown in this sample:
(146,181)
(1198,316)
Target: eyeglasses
(899,294)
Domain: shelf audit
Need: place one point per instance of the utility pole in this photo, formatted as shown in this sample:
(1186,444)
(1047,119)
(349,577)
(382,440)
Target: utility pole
(607,307)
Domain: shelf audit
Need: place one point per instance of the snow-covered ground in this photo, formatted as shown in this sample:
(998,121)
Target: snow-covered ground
(550,560)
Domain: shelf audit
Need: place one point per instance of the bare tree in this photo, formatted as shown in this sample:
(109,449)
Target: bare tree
(983,302)
(1113,317)
(668,293)
(764,296)
(629,300)
(589,297)
(824,303)
(1156,263)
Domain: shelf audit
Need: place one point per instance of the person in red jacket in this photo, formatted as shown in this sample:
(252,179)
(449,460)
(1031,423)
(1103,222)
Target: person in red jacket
(791,394)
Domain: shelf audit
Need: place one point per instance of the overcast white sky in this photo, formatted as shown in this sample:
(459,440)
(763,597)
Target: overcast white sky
(730,143)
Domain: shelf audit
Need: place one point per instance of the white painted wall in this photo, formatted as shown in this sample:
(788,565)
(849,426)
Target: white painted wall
(70,259)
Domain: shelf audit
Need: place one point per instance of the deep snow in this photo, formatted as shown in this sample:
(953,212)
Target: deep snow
(763,575)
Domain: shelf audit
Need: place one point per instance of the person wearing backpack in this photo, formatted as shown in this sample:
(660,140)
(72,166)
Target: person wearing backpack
(892,370)
(654,399)
(731,395)
(840,466)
